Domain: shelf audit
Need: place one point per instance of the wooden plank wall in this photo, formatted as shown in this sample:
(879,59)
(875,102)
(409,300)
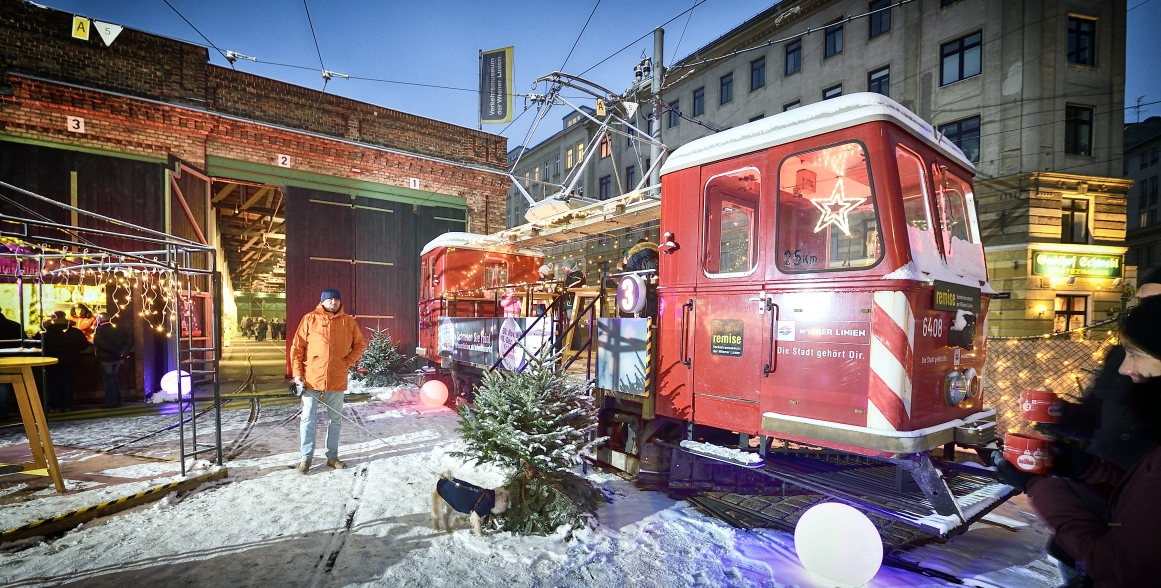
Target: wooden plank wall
(367,248)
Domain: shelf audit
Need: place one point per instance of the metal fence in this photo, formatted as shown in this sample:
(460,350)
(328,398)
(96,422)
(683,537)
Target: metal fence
(1065,362)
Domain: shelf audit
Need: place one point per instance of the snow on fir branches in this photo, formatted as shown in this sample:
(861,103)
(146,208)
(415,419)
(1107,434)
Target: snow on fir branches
(381,363)
(535,424)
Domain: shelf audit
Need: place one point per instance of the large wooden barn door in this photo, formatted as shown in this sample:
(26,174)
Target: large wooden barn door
(368,248)
(320,242)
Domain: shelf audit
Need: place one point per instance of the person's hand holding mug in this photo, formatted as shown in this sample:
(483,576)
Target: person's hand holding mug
(298,381)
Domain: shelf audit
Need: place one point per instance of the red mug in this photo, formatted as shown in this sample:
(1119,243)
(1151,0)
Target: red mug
(1029,453)
(1041,406)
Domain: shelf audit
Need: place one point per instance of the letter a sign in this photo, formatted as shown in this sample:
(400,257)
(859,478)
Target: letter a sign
(80,28)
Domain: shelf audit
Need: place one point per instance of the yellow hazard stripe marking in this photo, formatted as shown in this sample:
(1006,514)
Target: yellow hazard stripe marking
(86,509)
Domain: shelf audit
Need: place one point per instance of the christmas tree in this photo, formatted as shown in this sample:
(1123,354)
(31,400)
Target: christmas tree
(381,362)
(534,423)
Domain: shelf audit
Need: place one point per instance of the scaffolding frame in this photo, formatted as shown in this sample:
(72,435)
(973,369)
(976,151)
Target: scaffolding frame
(176,257)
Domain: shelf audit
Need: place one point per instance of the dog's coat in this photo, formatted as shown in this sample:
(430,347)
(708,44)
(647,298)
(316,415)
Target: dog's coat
(465,497)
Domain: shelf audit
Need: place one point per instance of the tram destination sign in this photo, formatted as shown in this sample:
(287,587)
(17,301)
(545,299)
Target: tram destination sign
(1048,263)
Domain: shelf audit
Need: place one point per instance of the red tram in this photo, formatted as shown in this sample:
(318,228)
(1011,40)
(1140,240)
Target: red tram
(821,284)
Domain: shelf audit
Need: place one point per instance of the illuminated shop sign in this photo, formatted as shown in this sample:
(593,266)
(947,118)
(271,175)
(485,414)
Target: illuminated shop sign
(1046,263)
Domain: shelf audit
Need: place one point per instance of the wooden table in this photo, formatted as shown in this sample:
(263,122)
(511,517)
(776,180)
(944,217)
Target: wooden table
(18,372)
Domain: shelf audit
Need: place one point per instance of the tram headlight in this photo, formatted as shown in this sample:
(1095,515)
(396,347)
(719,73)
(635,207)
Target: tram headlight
(955,388)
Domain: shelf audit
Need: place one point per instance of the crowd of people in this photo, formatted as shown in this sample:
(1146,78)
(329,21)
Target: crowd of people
(257,328)
(69,337)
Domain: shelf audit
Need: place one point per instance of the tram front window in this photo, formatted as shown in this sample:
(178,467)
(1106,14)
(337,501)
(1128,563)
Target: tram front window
(826,211)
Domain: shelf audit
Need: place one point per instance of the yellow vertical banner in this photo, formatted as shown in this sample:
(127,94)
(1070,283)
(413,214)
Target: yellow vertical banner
(496,86)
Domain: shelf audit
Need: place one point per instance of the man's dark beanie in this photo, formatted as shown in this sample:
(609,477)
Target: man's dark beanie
(328,294)
(1142,326)
(1151,277)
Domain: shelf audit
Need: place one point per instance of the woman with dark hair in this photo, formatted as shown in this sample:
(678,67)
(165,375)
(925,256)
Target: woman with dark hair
(1106,520)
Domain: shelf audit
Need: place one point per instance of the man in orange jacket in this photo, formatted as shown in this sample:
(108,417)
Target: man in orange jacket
(326,344)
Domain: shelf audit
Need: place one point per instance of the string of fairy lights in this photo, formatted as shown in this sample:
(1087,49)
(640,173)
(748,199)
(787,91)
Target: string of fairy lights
(162,292)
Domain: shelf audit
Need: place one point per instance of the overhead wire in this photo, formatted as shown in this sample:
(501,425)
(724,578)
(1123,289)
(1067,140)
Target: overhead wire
(638,39)
(315,37)
(191,25)
(579,35)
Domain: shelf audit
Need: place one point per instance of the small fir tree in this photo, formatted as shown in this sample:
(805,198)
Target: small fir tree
(535,424)
(381,362)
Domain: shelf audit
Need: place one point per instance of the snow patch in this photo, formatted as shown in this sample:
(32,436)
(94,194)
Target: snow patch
(726,453)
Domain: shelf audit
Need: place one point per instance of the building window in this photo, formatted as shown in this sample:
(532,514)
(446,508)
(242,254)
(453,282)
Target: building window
(649,125)
(1143,194)
(568,158)
(834,92)
(1078,130)
(606,147)
(547,168)
(793,57)
(966,135)
(727,88)
(1071,313)
(960,59)
(880,21)
(1074,220)
(699,101)
(757,117)
(834,40)
(880,81)
(1144,160)
(674,114)
(791,105)
(757,73)
(648,168)
(1081,41)
(1152,190)
(1156,153)
(1141,221)
(556,166)
(580,152)
(631,177)
(580,188)
(606,187)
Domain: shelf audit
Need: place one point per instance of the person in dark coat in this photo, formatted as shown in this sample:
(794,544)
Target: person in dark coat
(262,328)
(113,343)
(643,256)
(1106,518)
(1101,422)
(66,343)
(10,338)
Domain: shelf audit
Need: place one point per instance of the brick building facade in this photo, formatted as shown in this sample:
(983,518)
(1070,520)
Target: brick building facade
(146,100)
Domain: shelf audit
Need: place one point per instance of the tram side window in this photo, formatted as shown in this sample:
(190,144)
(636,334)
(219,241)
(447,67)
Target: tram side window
(731,222)
(961,243)
(952,194)
(826,211)
(913,189)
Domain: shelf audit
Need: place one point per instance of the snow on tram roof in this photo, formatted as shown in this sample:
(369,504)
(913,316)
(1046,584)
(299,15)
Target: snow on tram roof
(808,121)
(472,241)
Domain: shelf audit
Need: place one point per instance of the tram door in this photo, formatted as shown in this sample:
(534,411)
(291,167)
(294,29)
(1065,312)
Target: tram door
(730,321)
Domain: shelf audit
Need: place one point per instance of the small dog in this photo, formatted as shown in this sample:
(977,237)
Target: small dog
(451,494)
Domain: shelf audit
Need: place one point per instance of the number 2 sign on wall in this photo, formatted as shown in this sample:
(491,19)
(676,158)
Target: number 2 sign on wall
(283,161)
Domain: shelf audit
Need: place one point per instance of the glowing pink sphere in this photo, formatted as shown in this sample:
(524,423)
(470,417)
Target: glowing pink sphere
(433,393)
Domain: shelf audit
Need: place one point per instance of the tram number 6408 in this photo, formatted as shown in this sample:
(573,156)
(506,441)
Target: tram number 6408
(932,327)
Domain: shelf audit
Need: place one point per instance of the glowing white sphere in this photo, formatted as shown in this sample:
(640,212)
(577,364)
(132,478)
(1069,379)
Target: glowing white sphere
(838,545)
(169,383)
(433,393)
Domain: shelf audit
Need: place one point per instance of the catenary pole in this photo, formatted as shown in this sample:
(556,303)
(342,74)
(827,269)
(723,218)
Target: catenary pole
(658,69)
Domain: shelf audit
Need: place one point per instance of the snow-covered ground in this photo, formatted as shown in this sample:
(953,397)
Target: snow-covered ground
(369,525)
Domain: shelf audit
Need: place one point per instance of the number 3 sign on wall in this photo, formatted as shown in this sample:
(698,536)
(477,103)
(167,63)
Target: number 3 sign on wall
(75,124)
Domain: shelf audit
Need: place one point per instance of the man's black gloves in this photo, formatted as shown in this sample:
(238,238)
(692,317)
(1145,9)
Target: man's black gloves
(1070,460)
(1010,474)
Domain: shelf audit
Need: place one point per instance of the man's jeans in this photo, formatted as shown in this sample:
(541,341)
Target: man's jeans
(310,407)
(108,371)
